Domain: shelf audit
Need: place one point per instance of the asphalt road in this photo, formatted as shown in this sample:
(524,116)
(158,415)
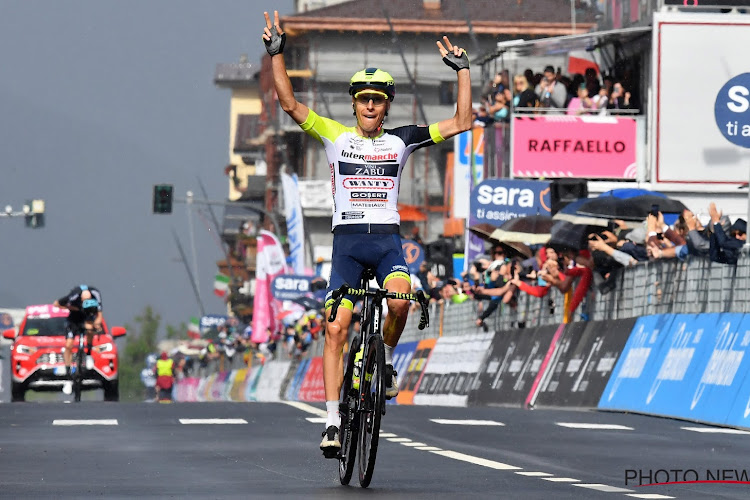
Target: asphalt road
(146,451)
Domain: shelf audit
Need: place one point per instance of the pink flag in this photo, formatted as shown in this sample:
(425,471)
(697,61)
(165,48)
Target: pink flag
(270,262)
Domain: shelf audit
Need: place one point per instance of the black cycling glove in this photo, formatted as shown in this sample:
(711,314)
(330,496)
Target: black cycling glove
(457,63)
(276,44)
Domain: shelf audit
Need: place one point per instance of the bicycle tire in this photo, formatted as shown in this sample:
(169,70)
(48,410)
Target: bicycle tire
(373,401)
(78,379)
(349,422)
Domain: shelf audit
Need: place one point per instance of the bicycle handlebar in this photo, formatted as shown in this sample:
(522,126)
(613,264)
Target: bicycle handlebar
(338,295)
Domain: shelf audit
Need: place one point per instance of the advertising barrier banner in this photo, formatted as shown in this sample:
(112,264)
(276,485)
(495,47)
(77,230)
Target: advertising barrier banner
(186,390)
(292,393)
(511,367)
(312,389)
(583,362)
(251,381)
(452,369)
(402,356)
(599,147)
(411,379)
(237,391)
(269,384)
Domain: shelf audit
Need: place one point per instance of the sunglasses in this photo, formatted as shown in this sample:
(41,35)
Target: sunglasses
(377,99)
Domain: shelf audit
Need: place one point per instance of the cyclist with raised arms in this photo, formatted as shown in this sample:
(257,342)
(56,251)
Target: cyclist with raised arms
(85,305)
(366,162)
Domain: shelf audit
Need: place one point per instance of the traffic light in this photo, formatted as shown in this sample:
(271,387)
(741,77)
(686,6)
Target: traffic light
(163,198)
(34,213)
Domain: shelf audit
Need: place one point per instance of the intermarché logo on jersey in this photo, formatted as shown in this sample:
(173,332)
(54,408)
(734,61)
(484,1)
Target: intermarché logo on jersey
(370,157)
(662,477)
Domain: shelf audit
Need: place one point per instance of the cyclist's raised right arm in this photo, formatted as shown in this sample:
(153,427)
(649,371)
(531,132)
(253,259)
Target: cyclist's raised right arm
(274,39)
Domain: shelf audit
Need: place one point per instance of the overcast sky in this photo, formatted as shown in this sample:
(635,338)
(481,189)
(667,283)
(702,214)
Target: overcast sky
(99,100)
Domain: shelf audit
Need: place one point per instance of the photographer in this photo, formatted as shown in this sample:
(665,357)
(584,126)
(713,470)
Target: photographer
(497,288)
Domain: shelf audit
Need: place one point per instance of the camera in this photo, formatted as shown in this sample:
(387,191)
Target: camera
(654,210)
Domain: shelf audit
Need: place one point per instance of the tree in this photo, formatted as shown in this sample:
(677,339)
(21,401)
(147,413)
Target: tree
(141,341)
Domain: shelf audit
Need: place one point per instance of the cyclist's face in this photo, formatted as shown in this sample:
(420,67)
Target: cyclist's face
(370,108)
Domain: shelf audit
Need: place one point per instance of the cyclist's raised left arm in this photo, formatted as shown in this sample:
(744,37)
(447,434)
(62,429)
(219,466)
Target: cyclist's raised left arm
(456,57)
(274,39)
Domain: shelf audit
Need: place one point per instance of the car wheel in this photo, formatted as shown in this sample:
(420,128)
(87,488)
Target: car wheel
(112,391)
(17,392)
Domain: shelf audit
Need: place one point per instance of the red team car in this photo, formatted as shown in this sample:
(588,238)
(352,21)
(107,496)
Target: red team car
(36,359)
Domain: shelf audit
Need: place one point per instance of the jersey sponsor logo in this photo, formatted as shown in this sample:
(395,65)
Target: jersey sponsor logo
(385,157)
(365,195)
(388,170)
(352,215)
(368,183)
(368,204)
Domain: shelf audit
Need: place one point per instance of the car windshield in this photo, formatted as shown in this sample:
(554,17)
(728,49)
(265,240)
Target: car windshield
(45,326)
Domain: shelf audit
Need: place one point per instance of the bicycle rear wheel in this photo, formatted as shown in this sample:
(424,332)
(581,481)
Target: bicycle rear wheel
(78,379)
(349,420)
(373,401)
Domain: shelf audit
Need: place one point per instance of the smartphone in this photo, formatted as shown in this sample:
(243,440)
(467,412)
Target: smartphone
(654,210)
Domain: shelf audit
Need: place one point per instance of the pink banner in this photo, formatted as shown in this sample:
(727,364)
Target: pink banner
(594,147)
(270,262)
(312,388)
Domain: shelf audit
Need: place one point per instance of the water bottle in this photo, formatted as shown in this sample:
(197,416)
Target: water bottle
(357,360)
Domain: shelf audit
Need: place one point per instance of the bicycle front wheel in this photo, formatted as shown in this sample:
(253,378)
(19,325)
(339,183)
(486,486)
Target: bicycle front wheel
(373,402)
(78,379)
(349,421)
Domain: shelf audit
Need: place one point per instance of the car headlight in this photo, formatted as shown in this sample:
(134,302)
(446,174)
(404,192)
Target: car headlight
(25,349)
(108,347)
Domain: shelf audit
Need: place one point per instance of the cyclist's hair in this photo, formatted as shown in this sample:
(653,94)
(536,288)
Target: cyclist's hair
(373,78)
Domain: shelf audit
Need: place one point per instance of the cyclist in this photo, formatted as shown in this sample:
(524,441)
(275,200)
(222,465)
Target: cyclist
(85,305)
(366,162)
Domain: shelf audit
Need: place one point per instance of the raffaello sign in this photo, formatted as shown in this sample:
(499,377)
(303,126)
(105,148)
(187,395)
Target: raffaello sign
(593,147)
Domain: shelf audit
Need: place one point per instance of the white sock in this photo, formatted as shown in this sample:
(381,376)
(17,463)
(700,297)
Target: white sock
(332,414)
(388,354)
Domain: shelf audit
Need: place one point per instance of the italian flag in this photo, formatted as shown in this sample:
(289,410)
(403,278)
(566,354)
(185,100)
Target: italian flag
(221,285)
(194,328)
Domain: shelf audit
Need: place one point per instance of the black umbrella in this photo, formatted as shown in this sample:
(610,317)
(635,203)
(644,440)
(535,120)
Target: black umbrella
(531,229)
(566,235)
(484,231)
(636,208)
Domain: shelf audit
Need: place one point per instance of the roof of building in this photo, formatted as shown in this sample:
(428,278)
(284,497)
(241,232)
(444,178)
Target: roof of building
(543,17)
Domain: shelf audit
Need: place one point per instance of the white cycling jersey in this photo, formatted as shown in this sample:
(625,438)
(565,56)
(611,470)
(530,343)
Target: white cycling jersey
(366,172)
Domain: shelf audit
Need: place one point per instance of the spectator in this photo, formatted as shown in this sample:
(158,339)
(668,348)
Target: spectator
(582,103)
(725,249)
(601,100)
(620,98)
(426,277)
(552,94)
(499,109)
(525,97)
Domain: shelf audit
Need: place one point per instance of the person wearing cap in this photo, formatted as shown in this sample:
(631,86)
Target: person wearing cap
(723,248)
(366,162)
(164,377)
(552,94)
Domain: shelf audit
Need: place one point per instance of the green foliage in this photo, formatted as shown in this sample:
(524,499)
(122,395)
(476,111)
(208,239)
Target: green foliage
(141,341)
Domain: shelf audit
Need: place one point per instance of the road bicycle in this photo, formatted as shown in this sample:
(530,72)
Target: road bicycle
(362,404)
(80,363)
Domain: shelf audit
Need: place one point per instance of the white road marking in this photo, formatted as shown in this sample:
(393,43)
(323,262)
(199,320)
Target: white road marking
(603,487)
(466,422)
(576,425)
(534,474)
(387,435)
(317,420)
(85,422)
(414,444)
(561,479)
(306,408)
(212,421)
(428,448)
(476,460)
(399,440)
(715,430)
(647,496)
